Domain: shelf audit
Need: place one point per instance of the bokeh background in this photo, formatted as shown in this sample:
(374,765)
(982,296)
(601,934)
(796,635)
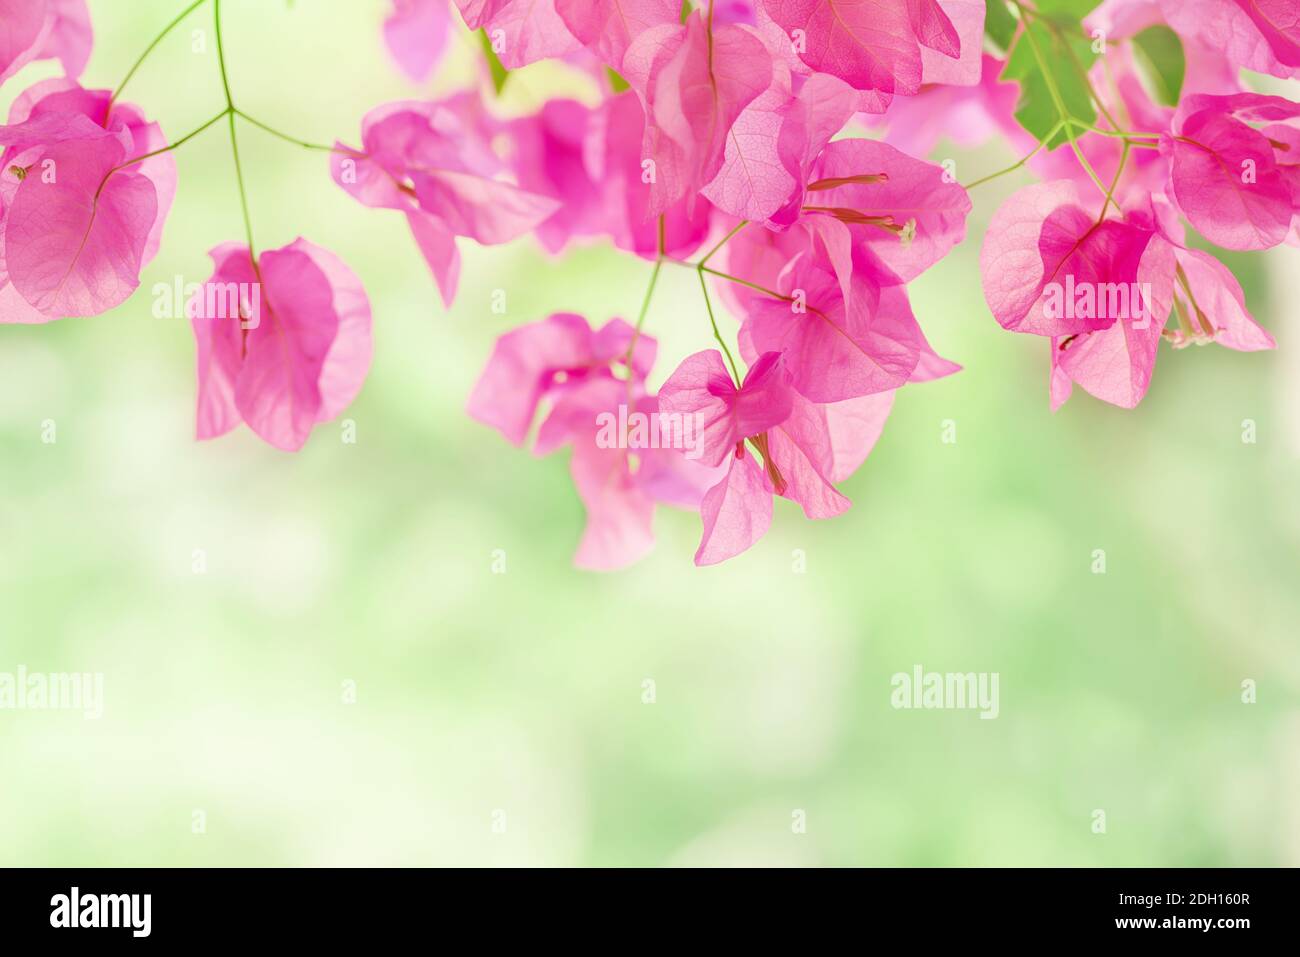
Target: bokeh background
(479,693)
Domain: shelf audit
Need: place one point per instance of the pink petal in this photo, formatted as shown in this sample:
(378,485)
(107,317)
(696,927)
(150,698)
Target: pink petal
(278,391)
(869,44)
(219,338)
(1219,296)
(737,512)
(486,210)
(619,512)
(1041,245)
(1209,162)
(438,246)
(608,27)
(693,86)
(521,368)
(702,386)
(802,450)
(853,427)
(913,192)
(72,248)
(26,27)
(967,20)
(1227,26)
(348,360)
(836,351)
(416,33)
(70,37)
(528,30)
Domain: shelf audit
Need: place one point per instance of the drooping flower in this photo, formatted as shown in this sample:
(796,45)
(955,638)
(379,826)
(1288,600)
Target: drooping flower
(78,221)
(282,346)
(416,35)
(693,81)
(1224,173)
(434,162)
(1102,289)
(836,346)
(804,447)
(907,214)
(592,383)
(773,143)
(549,159)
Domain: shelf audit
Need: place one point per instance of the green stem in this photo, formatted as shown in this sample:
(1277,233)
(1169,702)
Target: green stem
(1119,171)
(1058,101)
(704,287)
(149,49)
(234,139)
(1015,166)
(167,149)
(287,138)
(722,242)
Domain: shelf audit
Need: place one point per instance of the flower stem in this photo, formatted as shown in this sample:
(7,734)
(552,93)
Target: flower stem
(234,140)
(704,287)
(1015,166)
(171,146)
(286,137)
(1058,101)
(149,49)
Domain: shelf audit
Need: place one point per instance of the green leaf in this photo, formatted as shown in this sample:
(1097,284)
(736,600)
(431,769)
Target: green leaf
(1068,10)
(1161,59)
(616,83)
(1066,59)
(499,73)
(686,10)
(999,24)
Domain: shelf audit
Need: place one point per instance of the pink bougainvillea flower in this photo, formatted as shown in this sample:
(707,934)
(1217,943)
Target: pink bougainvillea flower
(73,235)
(549,159)
(1224,174)
(434,162)
(693,81)
(620,476)
(282,347)
(842,336)
(74,242)
(967,115)
(1260,35)
(1044,250)
(773,143)
(728,415)
(416,34)
(608,27)
(624,186)
(543,359)
(1104,291)
(905,212)
(44,29)
(804,447)
(873,45)
(521,31)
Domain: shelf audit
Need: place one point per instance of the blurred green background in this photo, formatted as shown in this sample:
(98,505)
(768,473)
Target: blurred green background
(522,693)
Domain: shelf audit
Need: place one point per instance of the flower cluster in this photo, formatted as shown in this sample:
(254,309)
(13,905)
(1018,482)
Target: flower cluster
(772,147)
